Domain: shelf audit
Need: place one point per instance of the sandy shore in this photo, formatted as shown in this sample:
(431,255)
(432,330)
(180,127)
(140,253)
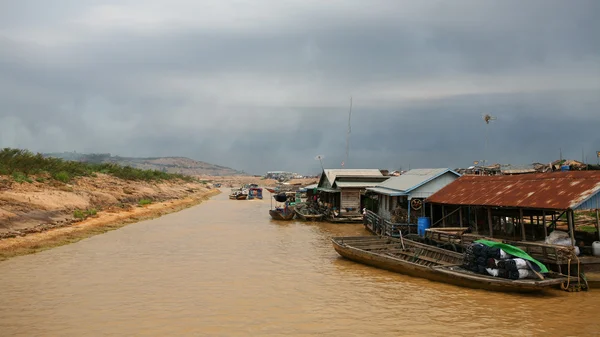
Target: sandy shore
(102,222)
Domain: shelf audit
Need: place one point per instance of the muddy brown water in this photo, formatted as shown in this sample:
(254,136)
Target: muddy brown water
(224,268)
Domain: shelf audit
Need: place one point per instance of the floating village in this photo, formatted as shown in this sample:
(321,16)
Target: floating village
(497,228)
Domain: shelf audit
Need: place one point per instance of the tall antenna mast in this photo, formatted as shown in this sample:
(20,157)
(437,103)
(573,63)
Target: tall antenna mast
(348,133)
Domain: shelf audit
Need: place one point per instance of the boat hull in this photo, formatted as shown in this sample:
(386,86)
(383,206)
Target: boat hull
(282,216)
(447,272)
(309,217)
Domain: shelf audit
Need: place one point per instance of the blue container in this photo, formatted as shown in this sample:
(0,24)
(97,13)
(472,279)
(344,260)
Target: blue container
(422,224)
(564,168)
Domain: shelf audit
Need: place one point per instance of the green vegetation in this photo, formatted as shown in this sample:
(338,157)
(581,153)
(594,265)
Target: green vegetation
(21,164)
(588,229)
(20,177)
(83,214)
(145,202)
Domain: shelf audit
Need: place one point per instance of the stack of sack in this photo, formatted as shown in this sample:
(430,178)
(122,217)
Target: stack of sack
(494,261)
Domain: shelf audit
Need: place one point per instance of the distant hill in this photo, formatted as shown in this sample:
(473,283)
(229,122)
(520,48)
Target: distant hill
(181,165)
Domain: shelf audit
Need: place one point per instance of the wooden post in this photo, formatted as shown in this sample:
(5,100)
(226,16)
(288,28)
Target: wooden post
(571,226)
(431,212)
(522,224)
(489,211)
(544,224)
(598,223)
(460,215)
(476,229)
(443,216)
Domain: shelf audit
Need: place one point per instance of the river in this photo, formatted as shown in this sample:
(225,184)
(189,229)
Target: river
(224,268)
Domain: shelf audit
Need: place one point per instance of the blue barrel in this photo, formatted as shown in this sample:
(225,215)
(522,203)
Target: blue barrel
(422,224)
(564,168)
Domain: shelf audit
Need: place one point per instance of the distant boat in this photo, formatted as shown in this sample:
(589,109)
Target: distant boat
(255,192)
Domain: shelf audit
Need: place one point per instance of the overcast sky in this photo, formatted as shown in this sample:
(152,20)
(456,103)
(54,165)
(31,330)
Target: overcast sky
(265,84)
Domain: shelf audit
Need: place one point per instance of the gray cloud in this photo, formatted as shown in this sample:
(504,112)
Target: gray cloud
(265,85)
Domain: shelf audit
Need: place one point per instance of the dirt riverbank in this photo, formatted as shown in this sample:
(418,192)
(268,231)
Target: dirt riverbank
(38,215)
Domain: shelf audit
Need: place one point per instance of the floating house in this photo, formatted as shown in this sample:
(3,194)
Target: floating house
(525,208)
(398,201)
(342,191)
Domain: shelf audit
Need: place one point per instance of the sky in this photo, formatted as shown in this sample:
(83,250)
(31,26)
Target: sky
(265,85)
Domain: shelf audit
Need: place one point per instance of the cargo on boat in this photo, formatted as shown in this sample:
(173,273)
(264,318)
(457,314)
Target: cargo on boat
(436,264)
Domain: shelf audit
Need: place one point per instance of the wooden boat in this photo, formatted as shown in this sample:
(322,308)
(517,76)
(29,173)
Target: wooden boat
(241,196)
(282,214)
(436,264)
(303,214)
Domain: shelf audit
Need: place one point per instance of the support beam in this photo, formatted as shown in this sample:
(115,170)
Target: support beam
(408,220)
(431,212)
(460,215)
(443,216)
(544,224)
(489,212)
(522,224)
(443,219)
(598,223)
(476,227)
(571,226)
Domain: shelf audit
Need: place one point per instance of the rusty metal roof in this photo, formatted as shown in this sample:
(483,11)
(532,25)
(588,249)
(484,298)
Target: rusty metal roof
(557,190)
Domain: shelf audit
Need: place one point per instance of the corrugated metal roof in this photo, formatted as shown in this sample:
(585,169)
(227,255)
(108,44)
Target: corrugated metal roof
(332,174)
(413,179)
(310,187)
(357,184)
(557,190)
(386,191)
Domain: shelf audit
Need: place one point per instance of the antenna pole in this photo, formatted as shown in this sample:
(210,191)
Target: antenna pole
(348,132)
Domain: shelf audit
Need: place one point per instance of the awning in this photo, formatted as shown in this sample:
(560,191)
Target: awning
(329,190)
(355,184)
(385,191)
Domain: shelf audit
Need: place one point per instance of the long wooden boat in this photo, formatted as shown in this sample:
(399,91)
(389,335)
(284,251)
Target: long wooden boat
(241,196)
(436,264)
(303,214)
(282,215)
(309,217)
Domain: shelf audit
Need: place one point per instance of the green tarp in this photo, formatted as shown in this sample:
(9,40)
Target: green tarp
(514,251)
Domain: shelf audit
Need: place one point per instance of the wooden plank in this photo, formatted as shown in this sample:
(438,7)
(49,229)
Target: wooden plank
(460,215)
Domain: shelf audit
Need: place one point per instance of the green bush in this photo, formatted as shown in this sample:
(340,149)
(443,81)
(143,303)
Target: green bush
(145,202)
(62,176)
(21,178)
(79,214)
(83,214)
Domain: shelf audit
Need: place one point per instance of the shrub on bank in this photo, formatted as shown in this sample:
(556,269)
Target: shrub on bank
(21,164)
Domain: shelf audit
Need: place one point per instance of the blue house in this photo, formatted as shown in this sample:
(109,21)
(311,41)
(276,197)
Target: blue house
(398,201)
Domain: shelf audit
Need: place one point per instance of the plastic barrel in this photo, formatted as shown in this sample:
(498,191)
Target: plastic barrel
(422,224)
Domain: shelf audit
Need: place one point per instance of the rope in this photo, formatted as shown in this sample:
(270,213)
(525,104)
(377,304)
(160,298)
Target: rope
(566,287)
